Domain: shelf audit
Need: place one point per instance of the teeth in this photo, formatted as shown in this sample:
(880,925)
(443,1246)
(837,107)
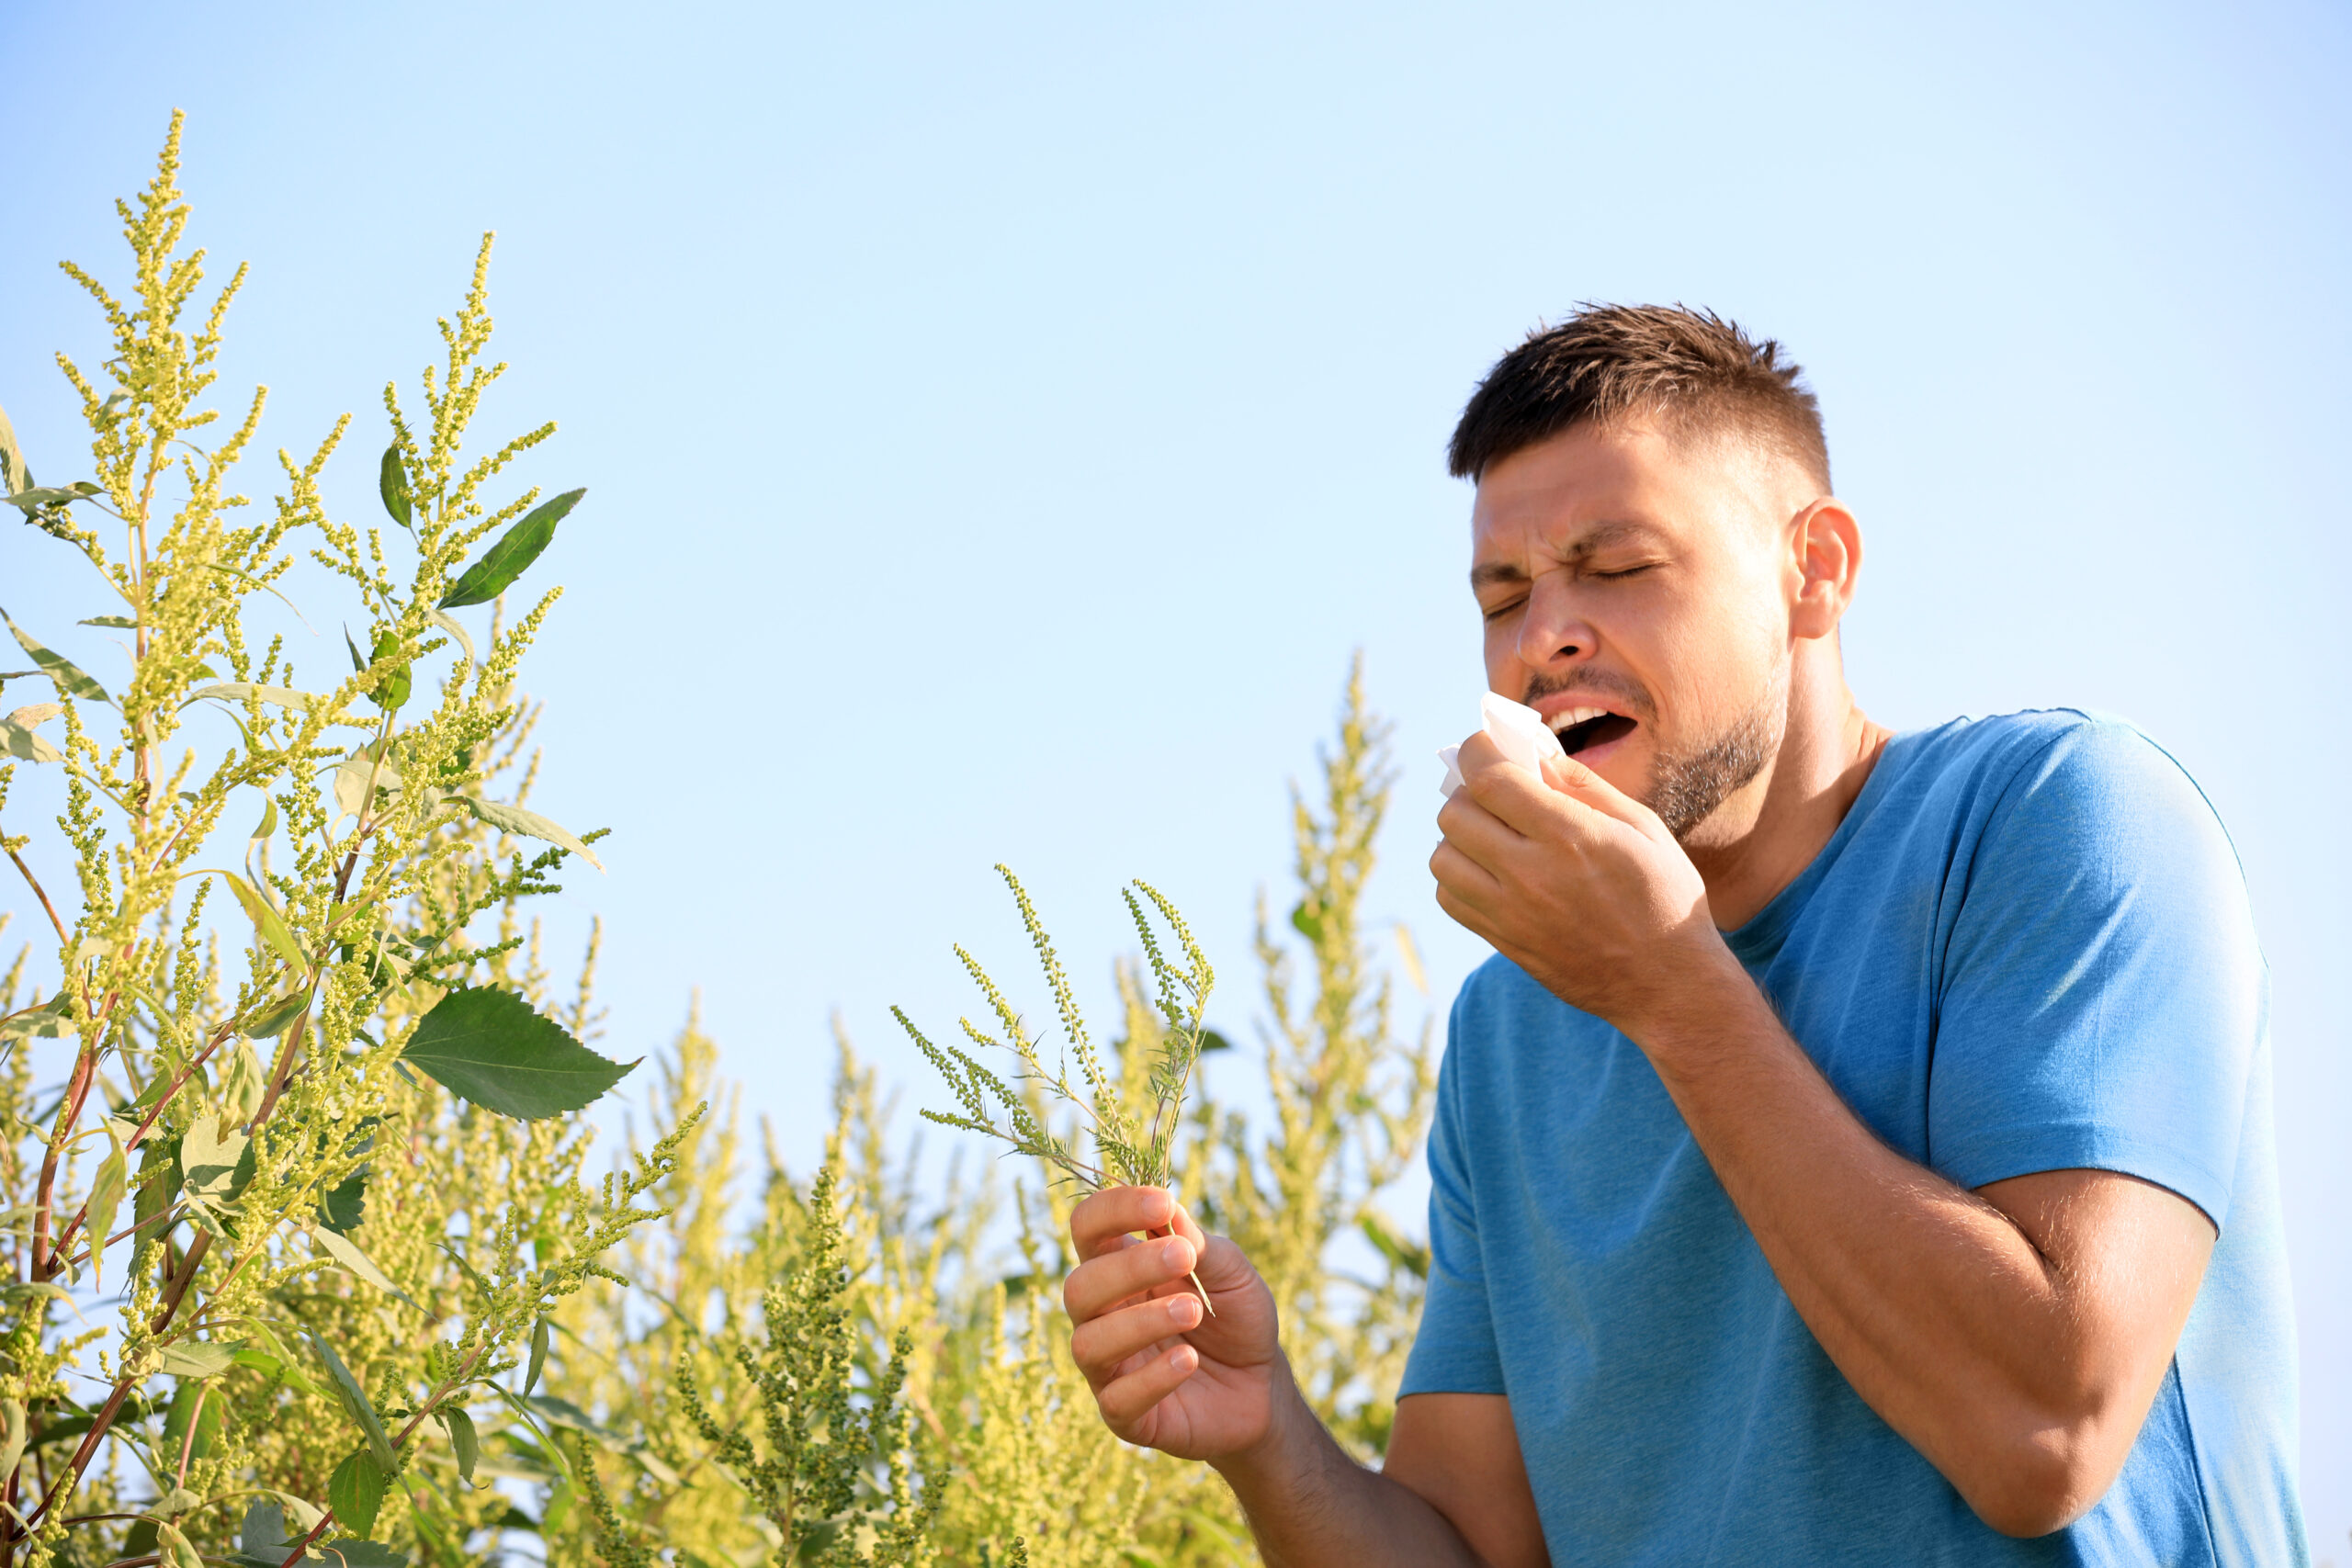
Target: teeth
(1568,717)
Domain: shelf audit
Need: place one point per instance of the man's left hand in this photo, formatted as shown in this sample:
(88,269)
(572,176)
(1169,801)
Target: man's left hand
(1576,884)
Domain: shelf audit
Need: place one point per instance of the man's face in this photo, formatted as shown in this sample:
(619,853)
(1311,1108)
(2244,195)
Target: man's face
(1636,592)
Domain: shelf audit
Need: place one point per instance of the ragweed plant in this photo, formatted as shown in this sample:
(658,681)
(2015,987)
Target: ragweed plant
(1131,1147)
(306,1326)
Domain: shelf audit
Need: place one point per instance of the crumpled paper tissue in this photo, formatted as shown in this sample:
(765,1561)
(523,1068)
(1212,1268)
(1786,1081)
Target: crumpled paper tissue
(1519,730)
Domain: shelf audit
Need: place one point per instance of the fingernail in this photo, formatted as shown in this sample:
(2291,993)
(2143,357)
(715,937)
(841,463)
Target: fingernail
(1172,1252)
(1180,1308)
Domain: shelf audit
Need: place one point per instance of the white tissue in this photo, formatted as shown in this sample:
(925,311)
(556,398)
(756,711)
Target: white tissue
(1517,728)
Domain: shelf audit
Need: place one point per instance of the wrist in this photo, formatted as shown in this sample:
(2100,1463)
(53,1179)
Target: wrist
(1706,999)
(1265,1463)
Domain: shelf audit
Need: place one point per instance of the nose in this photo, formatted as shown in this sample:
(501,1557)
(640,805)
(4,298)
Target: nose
(1555,631)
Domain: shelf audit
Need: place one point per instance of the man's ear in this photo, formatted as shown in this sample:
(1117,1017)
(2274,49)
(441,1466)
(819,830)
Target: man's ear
(1826,558)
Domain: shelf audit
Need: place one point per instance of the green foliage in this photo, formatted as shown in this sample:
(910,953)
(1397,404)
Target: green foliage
(329,1257)
(370,1306)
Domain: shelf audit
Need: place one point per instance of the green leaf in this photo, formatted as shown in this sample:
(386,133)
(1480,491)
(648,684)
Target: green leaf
(355,1402)
(538,1355)
(105,1197)
(1212,1041)
(264,1529)
(463,1439)
(53,495)
(516,549)
(346,1252)
(60,669)
(269,823)
(199,1358)
(238,690)
(391,481)
(23,743)
(266,921)
(456,628)
(490,1047)
(531,825)
(15,473)
(119,623)
(158,1185)
(280,1013)
(392,691)
(218,1167)
(343,1209)
(47,1021)
(351,1553)
(355,1490)
(177,1417)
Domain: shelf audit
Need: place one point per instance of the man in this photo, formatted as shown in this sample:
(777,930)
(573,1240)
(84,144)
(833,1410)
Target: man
(1858,1151)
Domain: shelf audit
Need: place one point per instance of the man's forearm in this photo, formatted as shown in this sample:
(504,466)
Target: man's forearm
(1310,1505)
(1935,1305)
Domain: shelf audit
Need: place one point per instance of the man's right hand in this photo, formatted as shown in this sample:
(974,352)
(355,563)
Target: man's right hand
(1165,1374)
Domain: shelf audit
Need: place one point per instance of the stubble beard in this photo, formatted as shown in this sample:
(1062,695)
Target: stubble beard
(1687,786)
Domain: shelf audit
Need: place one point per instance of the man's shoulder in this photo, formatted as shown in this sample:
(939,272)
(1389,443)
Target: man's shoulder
(2069,769)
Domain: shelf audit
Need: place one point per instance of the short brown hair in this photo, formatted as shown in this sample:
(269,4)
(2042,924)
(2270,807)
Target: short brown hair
(1692,369)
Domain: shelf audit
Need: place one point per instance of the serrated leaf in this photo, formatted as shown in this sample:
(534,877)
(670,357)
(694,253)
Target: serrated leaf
(489,1046)
(60,669)
(538,1356)
(199,1358)
(355,1402)
(266,920)
(456,628)
(392,483)
(516,549)
(464,1439)
(345,1207)
(264,1528)
(355,1490)
(531,825)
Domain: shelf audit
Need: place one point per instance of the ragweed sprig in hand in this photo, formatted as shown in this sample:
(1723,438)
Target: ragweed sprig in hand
(1132,1147)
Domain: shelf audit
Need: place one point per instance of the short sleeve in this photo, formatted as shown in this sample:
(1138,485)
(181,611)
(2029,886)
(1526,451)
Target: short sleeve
(1454,1350)
(2101,995)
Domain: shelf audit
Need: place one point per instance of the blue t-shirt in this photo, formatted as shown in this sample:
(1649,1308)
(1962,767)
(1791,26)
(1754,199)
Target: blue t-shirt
(2027,948)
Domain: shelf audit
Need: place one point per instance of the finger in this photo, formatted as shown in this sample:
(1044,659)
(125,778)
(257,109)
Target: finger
(1099,1345)
(1573,779)
(1461,875)
(1101,1283)
(1103,1221)
(1189,1229)
(1129,1399)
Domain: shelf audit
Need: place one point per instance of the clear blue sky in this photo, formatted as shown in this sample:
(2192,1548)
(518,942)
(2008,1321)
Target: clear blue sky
(1002,423)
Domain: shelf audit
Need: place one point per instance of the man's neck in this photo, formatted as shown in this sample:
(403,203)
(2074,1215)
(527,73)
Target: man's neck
(1760,839)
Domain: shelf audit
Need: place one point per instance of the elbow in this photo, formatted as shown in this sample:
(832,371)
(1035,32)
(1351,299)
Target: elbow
(2043,1479)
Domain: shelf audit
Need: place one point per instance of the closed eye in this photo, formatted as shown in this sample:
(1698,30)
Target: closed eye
(1622,571)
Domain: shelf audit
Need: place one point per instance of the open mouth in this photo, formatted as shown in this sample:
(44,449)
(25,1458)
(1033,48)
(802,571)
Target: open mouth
(1581,728)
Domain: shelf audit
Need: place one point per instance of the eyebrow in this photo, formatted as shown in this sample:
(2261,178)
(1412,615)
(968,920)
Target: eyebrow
(1491,573)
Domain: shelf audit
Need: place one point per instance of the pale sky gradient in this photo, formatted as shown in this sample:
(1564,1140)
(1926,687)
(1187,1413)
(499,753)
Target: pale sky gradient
(1002,423)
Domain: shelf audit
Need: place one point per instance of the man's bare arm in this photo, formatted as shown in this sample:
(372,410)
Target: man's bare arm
(2015,1336)
(1454,1493)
